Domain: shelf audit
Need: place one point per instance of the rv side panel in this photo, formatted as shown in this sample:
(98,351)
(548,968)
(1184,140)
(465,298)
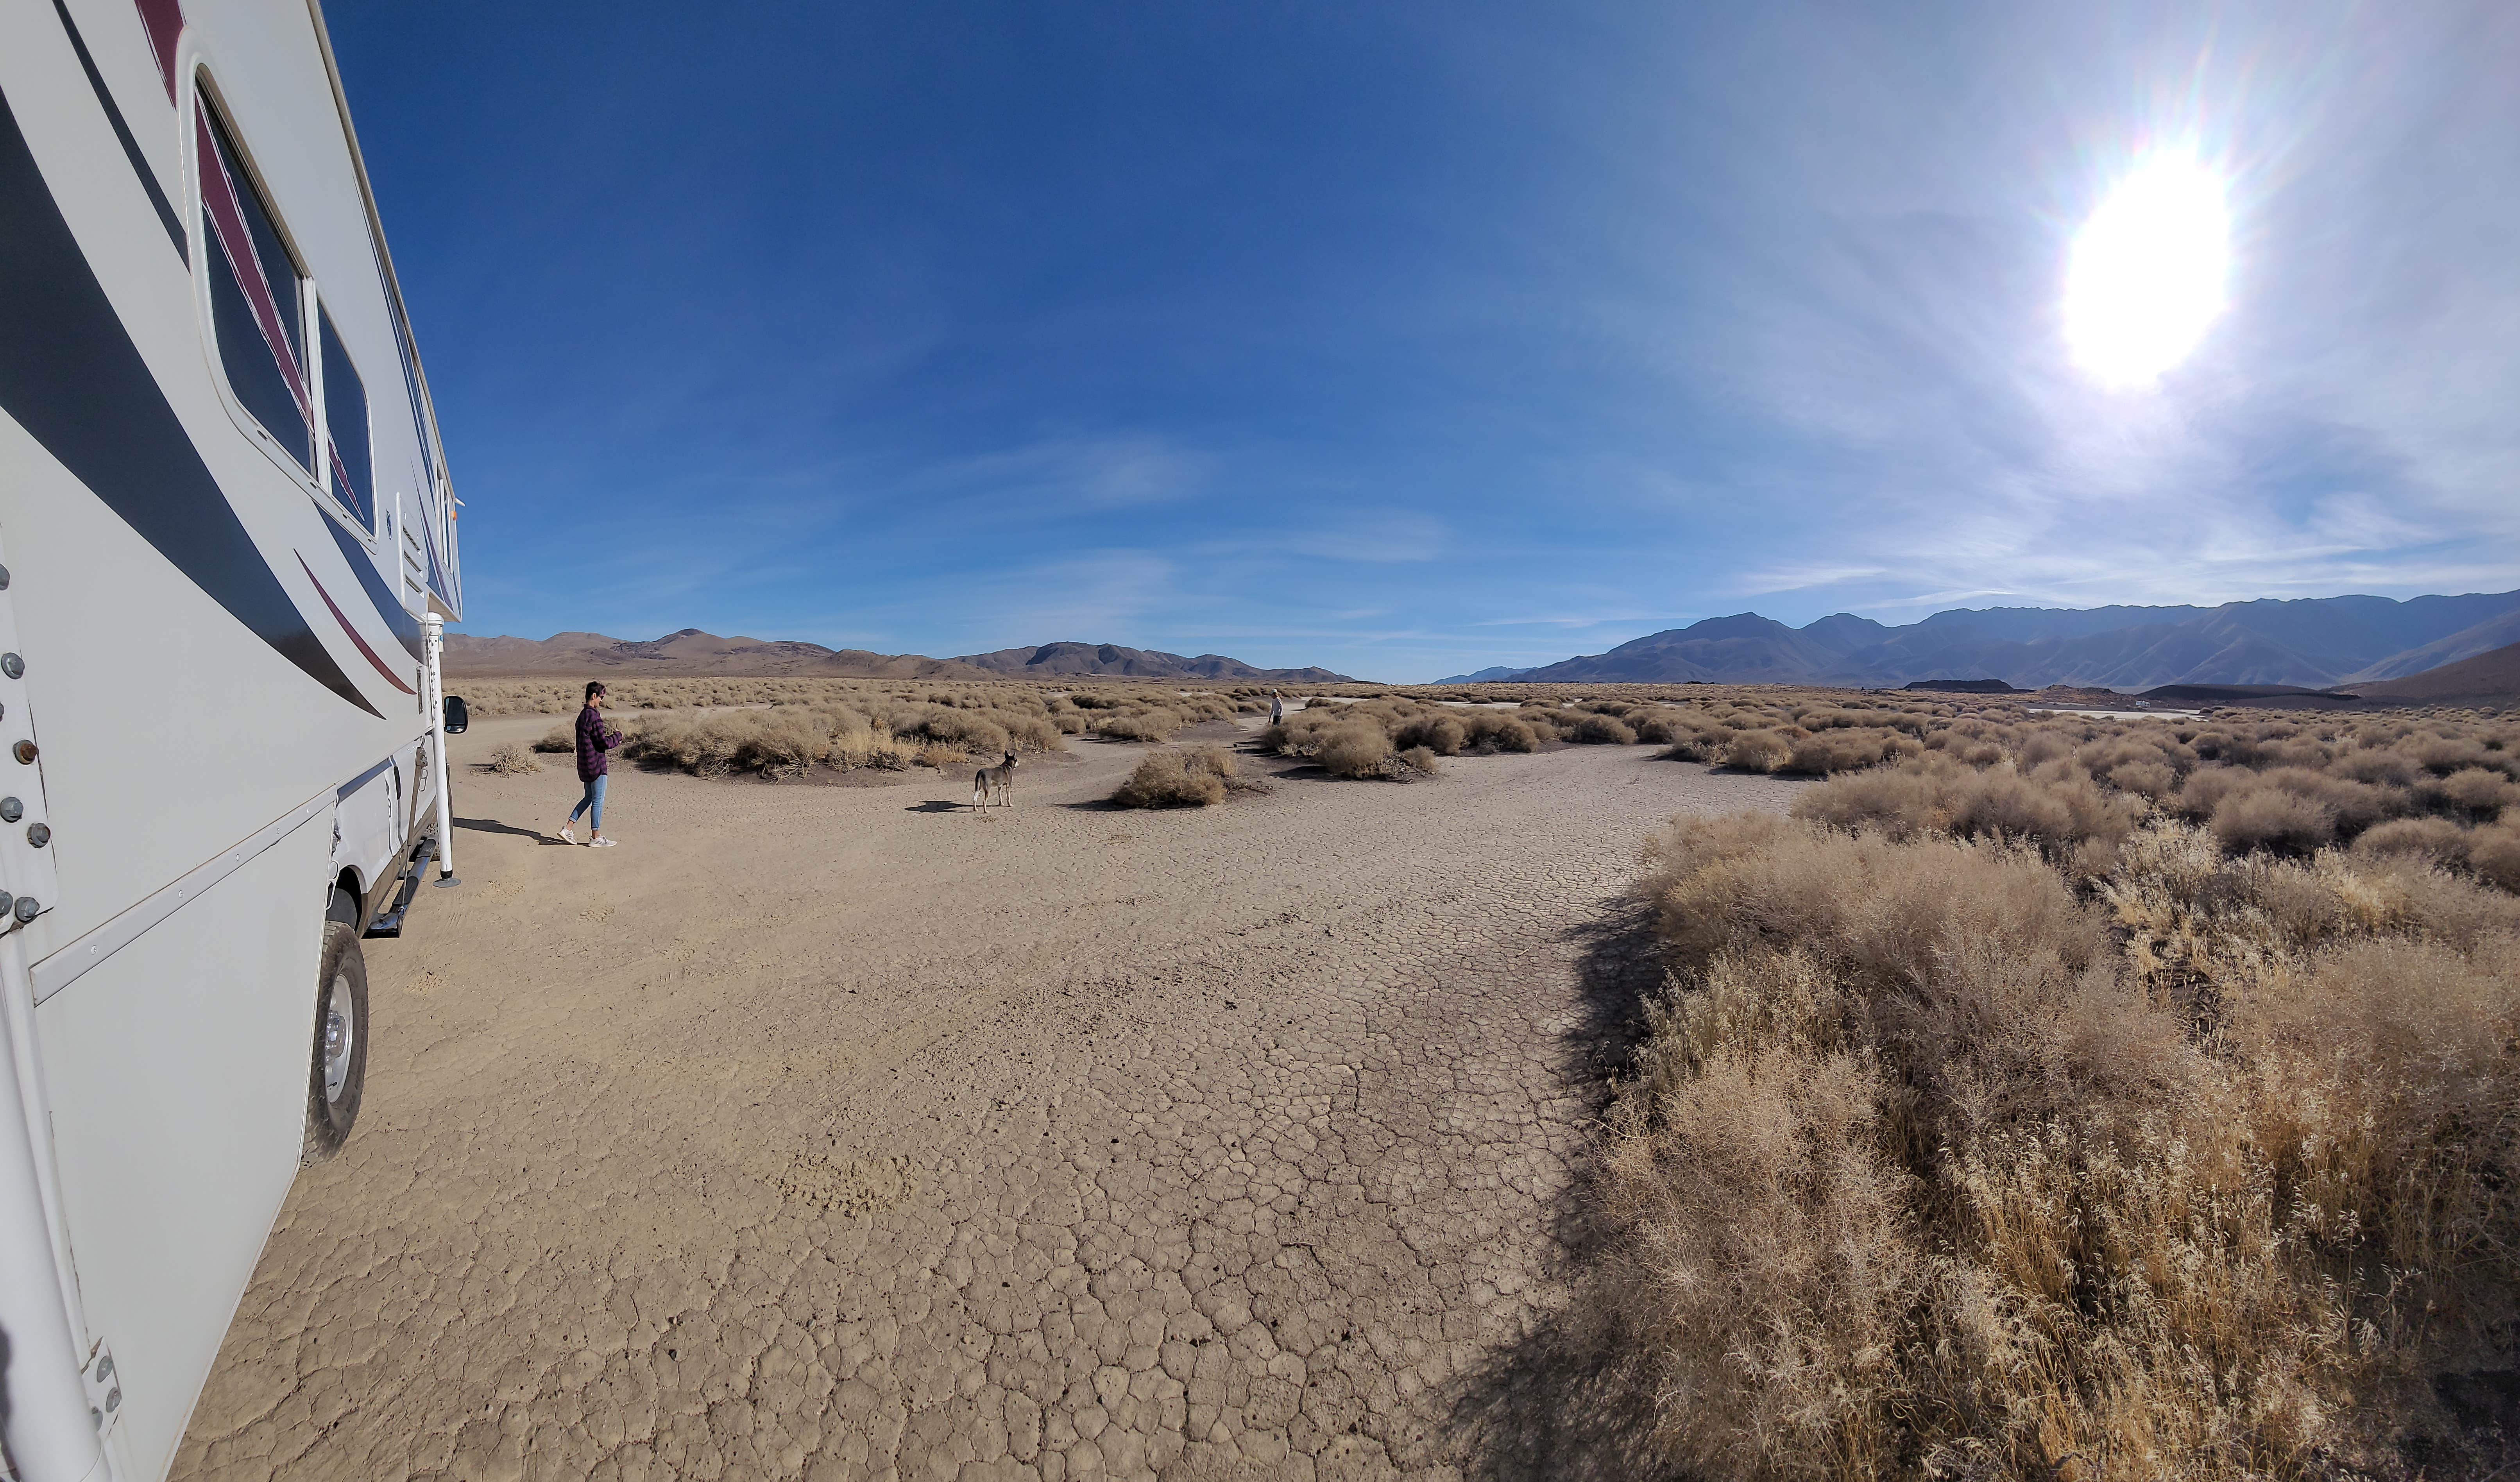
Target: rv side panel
(178,1074)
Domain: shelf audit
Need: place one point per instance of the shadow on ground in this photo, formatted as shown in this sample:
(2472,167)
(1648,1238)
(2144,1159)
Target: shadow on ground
(493,825)
(1559,1404)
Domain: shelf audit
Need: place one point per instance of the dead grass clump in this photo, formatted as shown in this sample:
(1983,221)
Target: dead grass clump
(1933,1165)
(512,761)
(1192,779)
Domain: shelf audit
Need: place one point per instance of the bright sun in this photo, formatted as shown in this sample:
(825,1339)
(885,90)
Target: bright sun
(2148,271)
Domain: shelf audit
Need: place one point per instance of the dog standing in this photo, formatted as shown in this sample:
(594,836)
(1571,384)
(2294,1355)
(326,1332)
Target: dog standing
(997,780)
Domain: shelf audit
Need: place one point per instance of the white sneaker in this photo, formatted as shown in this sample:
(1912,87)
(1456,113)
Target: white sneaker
(566,835)
(598,843)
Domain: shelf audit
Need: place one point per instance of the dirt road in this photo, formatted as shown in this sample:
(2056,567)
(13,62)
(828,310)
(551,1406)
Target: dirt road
(837,1132)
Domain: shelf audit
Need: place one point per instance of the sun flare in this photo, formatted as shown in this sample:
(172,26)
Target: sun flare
(2147,272)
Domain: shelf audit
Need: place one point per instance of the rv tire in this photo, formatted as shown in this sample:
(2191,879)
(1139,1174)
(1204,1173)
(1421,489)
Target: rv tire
(339,1070)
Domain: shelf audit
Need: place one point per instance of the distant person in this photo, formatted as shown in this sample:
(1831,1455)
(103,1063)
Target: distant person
(1277,708)
(595,742)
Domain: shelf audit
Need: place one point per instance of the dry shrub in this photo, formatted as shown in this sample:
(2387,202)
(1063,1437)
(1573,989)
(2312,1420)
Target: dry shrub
(1145,725)
(1442,735)
(1930,1167)
(1485,729)
(2475,793)
(785,742)
(558,739)
(1193,779)
(1827,752)
(1600,730)
(2153,779)
(2435,840)
(1421,760)
(2207,786)
(2057,807)
(2494,854)
(1354,751)
(2272,819)
(1758,752)
(512,759)
(1656,725)
(1871,907)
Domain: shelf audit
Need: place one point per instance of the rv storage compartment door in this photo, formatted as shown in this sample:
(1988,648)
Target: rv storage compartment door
(178,1070)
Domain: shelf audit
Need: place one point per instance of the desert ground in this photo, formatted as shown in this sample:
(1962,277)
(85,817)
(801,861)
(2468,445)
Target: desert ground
(840,1132)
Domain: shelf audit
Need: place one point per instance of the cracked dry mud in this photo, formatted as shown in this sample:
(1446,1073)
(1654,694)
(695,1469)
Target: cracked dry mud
(830,1132)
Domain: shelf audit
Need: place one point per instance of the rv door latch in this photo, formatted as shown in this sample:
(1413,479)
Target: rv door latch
(104,1389)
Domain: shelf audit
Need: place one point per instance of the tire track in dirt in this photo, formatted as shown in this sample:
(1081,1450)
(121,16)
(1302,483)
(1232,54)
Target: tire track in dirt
(816,1133)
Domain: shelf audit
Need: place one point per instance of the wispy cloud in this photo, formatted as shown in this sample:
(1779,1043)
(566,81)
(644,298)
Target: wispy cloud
(1066,476)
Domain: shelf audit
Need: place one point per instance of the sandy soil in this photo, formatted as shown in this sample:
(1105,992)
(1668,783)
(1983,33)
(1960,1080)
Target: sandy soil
(838,1132)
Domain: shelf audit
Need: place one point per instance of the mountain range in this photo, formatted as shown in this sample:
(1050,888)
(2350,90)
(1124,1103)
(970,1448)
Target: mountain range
(691,652)
(2312,642)
(1110,660)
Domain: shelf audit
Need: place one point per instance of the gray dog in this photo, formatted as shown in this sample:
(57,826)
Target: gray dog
(997,780)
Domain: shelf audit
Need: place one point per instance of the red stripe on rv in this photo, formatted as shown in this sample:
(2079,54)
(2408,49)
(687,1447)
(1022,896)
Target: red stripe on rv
(163,19)
(218,197)
(343,619)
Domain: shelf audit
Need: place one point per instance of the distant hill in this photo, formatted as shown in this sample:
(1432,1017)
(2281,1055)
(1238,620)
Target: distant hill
(2488,678)
(2498,632)
(1109,660)
(692,653)
(2309,643)
(1742,650)
(1483,677)
(688,653)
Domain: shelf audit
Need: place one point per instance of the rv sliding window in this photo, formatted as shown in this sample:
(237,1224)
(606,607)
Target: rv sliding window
(351,466)
(257,296)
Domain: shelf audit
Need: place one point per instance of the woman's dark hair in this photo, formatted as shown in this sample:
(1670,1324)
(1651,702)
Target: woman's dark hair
(594,688)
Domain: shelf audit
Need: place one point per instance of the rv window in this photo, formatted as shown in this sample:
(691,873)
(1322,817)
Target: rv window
(256,303)
(345,428)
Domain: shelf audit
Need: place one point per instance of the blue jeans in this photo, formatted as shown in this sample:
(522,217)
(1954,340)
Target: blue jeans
(593,800)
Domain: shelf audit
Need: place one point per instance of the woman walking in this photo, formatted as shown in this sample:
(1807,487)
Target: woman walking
(594,740)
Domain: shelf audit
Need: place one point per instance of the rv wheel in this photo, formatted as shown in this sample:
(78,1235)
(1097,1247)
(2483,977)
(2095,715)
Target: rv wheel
(341,1059)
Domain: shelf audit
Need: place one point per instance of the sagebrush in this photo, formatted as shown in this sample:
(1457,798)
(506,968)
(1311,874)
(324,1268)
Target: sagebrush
(2070,1099)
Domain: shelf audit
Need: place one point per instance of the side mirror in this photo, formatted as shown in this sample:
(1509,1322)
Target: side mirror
(457,717)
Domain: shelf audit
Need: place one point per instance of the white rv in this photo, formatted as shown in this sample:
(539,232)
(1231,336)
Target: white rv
(229,543)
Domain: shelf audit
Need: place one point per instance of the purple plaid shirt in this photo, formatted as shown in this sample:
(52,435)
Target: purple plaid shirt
(594,740)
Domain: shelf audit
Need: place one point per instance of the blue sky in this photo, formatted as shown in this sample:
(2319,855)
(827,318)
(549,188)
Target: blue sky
(1413,339)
